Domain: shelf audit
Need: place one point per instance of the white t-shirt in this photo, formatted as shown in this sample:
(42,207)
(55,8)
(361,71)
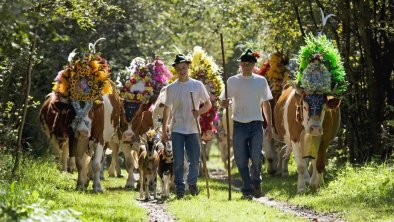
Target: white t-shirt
(179,100)
(247,94)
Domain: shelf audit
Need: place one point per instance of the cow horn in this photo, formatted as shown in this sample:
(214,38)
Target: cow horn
(334,90)
(71,55)
(297,88)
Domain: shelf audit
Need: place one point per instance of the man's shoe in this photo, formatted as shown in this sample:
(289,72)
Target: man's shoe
(180,195)
(257,193)
(193,190)
(247,197)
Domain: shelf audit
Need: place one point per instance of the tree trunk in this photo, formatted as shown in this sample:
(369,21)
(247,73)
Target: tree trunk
(374,99)
(298,18)
(18,148)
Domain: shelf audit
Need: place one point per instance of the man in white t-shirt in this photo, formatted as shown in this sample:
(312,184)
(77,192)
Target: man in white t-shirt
(249,93)
(184,131)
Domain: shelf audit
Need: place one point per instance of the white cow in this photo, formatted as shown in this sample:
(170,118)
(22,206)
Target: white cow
(95,125)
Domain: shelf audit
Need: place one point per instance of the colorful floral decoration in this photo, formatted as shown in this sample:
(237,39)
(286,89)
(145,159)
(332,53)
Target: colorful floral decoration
(204,68)
(320,68)
(139,87)
(160,76)
(275,71)
(145,80)
(84,79)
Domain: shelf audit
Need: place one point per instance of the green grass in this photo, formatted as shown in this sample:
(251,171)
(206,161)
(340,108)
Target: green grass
(219,208)
(44,193)
(357,194)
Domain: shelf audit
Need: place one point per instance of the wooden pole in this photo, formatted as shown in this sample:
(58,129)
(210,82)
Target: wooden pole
(204,159)
(227,120)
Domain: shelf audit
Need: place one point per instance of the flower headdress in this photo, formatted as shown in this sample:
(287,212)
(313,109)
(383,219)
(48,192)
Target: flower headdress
(160,75)
(85,78)
(138,87)
(320,67)
(275,71)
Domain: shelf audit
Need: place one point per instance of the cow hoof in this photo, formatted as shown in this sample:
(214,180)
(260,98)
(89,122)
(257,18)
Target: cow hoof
(285,174)
(120,176)
(97,190)
(111,175)
(271,172)
(301,190)
(129,186)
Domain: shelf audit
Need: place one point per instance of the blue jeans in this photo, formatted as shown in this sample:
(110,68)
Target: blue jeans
(247,143)
(190,142)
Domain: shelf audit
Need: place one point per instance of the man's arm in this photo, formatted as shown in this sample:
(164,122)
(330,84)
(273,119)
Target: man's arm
(166,115)
(205,108)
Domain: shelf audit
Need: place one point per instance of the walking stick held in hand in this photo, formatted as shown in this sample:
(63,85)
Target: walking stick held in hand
(227,120)
(204,162)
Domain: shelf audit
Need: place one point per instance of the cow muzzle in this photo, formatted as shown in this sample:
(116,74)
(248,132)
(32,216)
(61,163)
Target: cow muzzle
(314,127)
(315,130)
(127,137)
(84,133)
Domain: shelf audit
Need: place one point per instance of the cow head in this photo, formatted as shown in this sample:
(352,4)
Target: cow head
(82,123)
(311,109)
(130,109)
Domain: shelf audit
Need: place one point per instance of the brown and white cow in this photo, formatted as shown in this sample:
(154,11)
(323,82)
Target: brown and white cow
(137,119)
(307,123)
(55,118)
(95,126)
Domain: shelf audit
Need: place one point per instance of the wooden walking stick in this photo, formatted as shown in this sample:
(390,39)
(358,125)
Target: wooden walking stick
(204,159)
(227,120)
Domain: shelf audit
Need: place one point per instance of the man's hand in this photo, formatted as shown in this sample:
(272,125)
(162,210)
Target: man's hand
(196,113)
(224,103)
(268,133)
(164,137)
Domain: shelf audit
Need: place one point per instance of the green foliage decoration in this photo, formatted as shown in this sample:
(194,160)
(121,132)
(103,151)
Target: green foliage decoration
(331,59)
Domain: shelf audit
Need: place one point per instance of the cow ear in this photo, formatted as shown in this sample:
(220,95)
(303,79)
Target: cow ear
(332,102)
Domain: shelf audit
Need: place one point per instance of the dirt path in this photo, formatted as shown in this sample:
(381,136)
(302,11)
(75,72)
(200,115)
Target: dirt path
(299,211)
(157,211)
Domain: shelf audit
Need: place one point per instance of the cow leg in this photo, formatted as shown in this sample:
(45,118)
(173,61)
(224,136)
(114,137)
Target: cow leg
(141,184)
(82,160)
(283,156)
(82,167)
(146,180)
(315,179)
(71,164)
(130,166)
(163,186)
(114,156)
(301,167)
(307,175)
(154,179)
(96,166)
(318,165)
(269,155)
(64,155)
